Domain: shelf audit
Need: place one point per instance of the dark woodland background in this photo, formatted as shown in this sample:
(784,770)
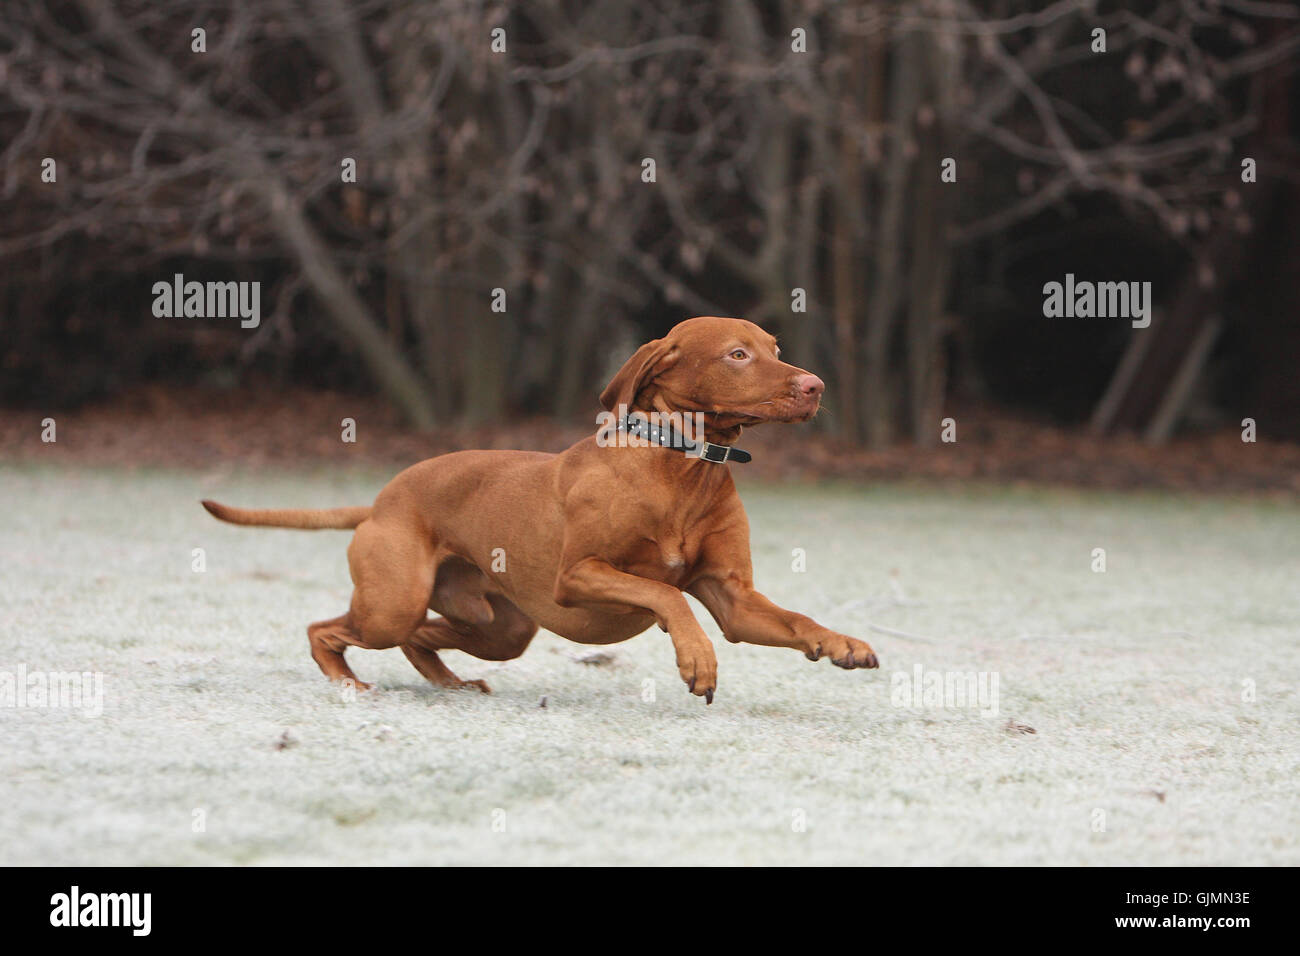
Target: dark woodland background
(775,170)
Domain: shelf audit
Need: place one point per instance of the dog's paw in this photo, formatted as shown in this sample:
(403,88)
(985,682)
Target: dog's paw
(846,652)
(700,672)
(353,685)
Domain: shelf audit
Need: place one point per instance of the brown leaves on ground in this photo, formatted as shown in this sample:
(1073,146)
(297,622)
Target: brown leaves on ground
(265,427)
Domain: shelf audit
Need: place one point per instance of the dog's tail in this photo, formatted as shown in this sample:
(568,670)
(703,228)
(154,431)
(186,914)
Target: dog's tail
(306,518)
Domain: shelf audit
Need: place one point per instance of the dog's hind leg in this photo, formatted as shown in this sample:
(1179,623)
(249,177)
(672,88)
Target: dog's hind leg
(329,639)
(421,649)
(392,574)
(502,635)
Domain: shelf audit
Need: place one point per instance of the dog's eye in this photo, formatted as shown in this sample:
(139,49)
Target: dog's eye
(740,355)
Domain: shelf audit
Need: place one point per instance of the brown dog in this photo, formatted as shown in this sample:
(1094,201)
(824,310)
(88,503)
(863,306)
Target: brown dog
(595,543)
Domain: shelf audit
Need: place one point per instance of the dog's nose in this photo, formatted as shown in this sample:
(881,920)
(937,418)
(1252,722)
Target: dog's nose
(810,385)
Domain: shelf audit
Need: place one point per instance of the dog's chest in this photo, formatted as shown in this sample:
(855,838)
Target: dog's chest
(673,555)
(668,558)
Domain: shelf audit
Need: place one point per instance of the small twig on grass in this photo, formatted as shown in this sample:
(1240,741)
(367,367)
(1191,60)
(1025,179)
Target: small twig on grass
(884,601)
(894,633)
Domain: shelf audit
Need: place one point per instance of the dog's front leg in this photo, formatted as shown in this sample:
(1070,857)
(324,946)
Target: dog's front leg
(591,581)
(747,616)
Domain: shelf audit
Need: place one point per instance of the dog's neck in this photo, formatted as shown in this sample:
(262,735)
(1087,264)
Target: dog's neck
(687,435)
(714,432)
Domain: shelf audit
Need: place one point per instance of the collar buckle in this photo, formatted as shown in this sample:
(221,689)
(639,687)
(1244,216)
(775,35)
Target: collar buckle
(717,454)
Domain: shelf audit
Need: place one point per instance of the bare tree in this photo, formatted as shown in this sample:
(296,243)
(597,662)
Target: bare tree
(796,146)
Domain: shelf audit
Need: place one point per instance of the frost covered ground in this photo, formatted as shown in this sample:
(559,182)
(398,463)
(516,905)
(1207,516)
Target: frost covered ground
(1163,693)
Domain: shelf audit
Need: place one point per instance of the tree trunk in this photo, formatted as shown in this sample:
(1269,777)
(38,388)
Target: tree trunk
(879,394)
(931,252)
(384,361)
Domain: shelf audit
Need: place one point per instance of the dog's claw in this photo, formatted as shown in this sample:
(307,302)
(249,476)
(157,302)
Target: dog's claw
(691,685)
(708,697)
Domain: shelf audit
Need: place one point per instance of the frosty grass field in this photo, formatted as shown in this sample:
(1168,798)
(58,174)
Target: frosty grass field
(1149,748)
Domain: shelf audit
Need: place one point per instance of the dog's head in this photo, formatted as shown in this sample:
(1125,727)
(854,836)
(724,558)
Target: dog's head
(727,368)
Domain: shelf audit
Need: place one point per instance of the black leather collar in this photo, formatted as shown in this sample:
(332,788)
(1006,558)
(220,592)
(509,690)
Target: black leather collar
(670,437)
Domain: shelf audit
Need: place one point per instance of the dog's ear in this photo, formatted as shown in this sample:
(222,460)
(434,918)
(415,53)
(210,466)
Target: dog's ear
(649,360)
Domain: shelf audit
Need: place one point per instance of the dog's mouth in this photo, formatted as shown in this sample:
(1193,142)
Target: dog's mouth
(783,412)
(786,410)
